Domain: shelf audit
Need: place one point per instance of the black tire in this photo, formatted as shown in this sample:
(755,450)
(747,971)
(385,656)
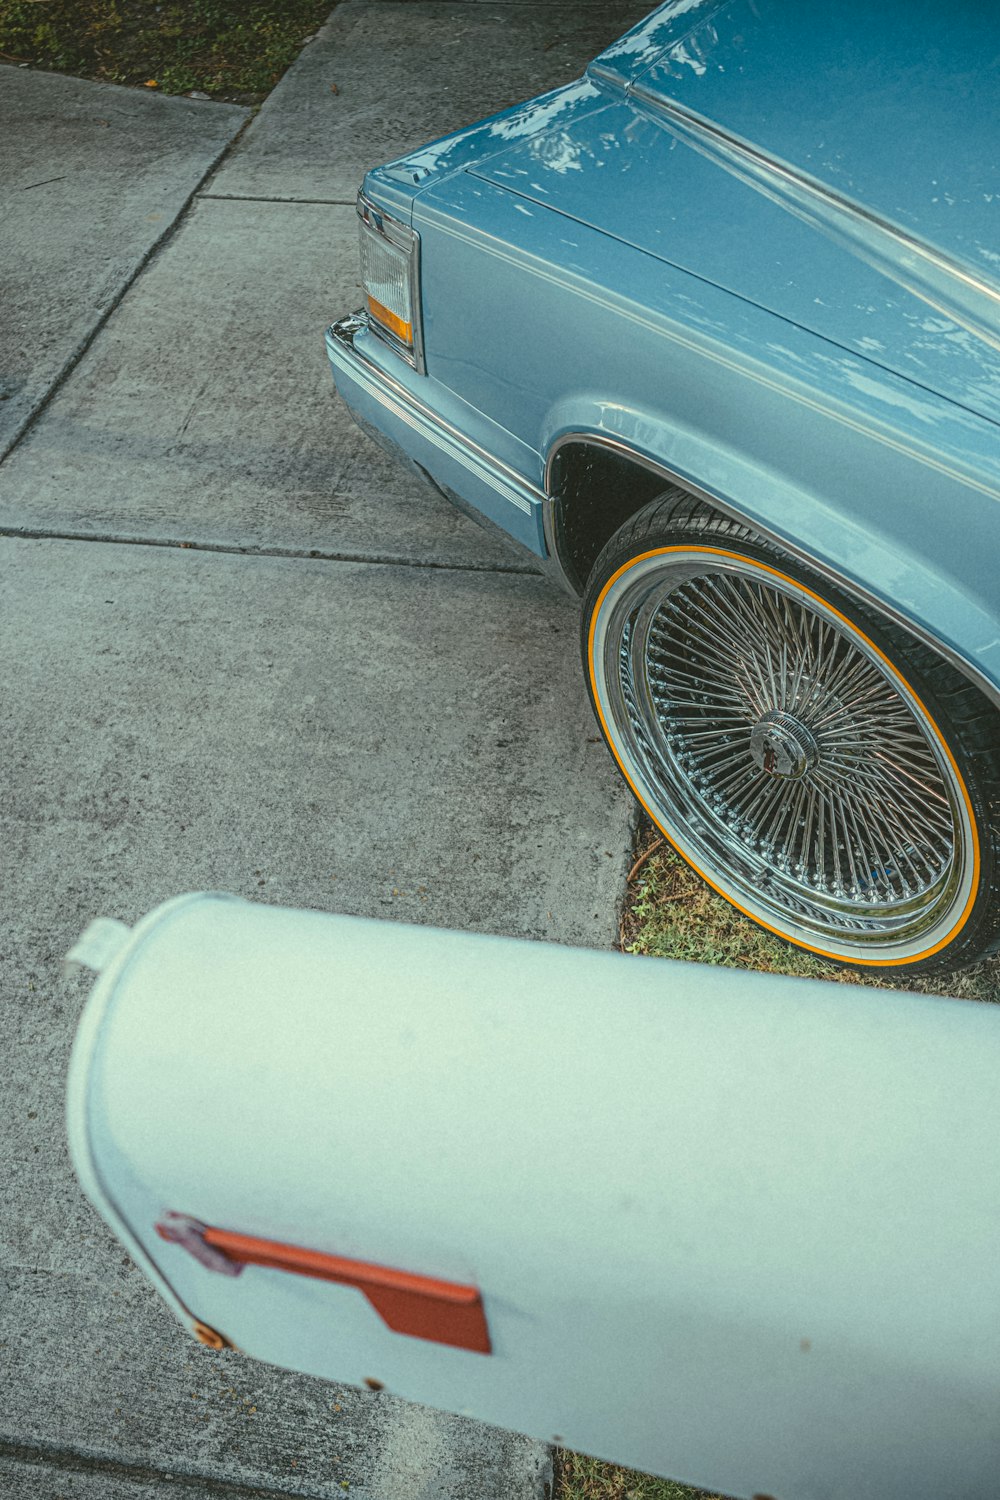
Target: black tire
(830,775)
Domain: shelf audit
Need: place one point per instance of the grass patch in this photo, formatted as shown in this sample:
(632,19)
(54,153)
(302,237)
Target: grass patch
(224,48)
(579,1478)
(671,913)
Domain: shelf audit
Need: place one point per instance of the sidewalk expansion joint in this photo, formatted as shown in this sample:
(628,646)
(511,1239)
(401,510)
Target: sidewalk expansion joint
(71,1460)
(302,554)
(268,198)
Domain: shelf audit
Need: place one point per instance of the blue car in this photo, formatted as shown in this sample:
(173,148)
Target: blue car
(712,335)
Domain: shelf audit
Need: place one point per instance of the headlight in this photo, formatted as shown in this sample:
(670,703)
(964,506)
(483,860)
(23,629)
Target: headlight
(390,270)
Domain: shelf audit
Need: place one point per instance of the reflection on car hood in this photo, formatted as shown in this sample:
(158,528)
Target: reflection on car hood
(890,106)
(837,164)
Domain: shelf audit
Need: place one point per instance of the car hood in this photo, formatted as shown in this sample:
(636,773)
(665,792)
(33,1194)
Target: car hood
(837,165)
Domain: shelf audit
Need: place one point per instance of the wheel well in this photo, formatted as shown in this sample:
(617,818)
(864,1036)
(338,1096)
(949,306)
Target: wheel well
(594,490)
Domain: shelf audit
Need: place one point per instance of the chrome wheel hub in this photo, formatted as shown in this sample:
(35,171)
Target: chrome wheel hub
(781,745)
(787,759)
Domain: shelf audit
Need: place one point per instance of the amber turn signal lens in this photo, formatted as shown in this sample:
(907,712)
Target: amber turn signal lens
(396,325)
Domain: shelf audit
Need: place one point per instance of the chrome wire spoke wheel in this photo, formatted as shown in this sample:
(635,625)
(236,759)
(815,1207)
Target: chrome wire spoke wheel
(783,754)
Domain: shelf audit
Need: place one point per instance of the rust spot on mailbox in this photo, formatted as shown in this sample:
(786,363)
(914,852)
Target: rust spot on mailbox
(210,1337)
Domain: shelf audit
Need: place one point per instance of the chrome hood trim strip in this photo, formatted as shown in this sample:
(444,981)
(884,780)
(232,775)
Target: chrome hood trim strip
(953,288)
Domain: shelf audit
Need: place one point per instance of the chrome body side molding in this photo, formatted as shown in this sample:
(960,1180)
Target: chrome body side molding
(364,384)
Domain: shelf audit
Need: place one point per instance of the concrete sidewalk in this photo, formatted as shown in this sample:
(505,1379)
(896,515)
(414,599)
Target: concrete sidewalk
(243,652)
(92,177)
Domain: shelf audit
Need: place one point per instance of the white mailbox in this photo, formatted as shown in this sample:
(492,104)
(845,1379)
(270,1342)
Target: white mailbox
(740,1230)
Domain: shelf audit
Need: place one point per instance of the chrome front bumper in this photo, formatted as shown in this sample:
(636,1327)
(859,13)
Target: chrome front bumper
(424,437)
